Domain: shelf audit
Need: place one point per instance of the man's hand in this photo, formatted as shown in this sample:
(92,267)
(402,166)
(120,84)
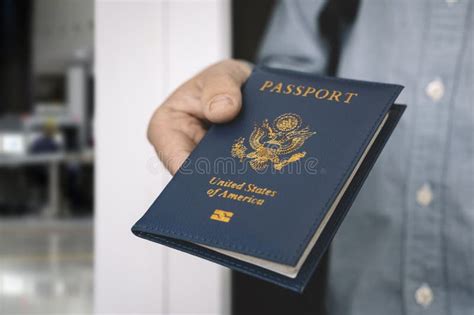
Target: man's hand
(212,96)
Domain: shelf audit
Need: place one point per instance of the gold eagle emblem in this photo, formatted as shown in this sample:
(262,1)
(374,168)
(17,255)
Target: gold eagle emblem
(274,144)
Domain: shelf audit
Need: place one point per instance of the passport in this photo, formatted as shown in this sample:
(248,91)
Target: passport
(265,193)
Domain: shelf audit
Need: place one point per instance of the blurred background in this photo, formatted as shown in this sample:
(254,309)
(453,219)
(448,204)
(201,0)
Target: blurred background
(46,156)
(79,80)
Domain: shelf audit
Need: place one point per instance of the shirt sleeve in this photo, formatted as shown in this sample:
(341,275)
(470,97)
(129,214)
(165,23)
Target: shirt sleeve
(292,39)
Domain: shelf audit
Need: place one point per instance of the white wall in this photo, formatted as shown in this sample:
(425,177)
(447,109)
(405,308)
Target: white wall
(144,49)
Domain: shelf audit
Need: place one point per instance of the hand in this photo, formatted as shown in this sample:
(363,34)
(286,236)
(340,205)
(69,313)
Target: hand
(212,96)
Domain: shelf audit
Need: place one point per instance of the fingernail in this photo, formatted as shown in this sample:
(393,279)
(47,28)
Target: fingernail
(220,101)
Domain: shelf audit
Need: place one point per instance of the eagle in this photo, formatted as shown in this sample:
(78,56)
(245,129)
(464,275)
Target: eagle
(274,144)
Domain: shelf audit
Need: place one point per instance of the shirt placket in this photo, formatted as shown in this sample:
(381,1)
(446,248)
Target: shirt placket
(423,263)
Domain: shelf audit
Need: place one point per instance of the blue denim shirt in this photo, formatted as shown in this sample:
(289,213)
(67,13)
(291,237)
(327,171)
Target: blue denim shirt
(407,244)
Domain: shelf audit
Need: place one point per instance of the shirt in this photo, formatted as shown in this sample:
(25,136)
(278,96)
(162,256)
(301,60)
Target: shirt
(407,244)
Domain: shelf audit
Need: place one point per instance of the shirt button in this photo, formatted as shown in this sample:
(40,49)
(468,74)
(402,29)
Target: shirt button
(435,90)
(424,295)
(424,195)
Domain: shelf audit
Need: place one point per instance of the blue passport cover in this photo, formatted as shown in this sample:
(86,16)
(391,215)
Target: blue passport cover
(262,184)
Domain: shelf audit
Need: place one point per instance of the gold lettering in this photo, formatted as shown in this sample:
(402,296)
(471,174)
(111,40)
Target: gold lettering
(349,97)
(335,96)
(289,89)
(309,90)
(302,90)
(277,88)
(212,192)
(318,94)
(299,90)
(266,85)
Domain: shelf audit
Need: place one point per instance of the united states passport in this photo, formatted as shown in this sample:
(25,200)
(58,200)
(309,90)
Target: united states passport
(266,193)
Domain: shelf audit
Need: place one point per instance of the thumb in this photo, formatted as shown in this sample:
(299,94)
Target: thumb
(221,96)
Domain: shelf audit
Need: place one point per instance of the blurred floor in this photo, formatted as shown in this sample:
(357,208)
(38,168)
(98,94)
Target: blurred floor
(46,266)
